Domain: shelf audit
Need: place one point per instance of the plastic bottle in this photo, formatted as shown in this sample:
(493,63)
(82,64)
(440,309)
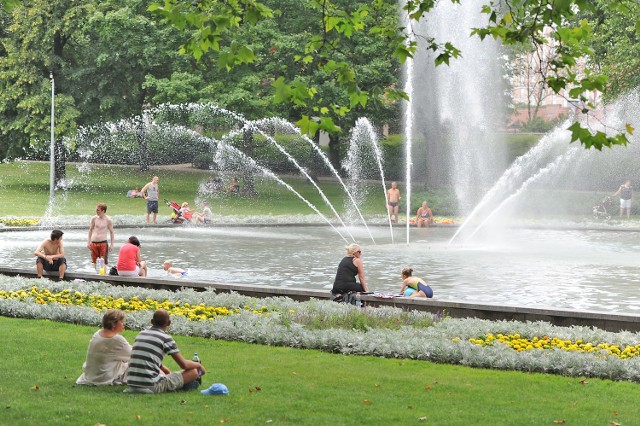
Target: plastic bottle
(358,300)
(100,266)
(196,358)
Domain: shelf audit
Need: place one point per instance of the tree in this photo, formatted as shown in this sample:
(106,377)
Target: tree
(100,53)
(616,45)
(210,25)
(40,32)
(529,68)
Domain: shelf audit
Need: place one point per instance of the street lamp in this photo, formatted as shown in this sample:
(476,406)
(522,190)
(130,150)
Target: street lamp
(52,154)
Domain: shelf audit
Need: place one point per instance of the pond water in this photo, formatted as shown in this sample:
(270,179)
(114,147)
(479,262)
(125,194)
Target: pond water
(590,270)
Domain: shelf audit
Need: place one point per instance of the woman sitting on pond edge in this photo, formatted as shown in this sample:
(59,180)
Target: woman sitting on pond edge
(350,266)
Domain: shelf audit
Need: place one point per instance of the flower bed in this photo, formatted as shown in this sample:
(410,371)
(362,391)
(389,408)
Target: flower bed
(385,332)
(19,221)
(520,343)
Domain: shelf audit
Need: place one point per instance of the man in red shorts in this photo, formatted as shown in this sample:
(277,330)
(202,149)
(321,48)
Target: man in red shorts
(97,240)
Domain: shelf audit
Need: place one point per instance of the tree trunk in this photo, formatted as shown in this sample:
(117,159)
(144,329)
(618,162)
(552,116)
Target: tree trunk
(314,162)
(334,151)
(248,184)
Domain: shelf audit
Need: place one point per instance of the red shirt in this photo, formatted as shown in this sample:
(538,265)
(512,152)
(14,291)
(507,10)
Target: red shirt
(127,257)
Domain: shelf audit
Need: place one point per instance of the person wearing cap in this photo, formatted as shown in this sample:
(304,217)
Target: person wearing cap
(130,263)
(147,374)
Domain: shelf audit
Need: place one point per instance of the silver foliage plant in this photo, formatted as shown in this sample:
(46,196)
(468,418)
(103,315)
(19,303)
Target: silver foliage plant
(446,341)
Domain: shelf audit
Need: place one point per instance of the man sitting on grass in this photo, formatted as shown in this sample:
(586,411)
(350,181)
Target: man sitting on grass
(50,255)
(147,374)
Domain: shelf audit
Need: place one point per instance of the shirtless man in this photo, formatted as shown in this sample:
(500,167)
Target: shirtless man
(97,239)
(151,193)
(50,255)
(393,199)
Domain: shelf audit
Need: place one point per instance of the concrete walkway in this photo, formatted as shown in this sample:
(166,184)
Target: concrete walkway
(601,320)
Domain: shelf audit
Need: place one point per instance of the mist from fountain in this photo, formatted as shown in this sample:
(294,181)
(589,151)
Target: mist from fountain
(523,167)
(98,135)
(560,162)
(454,107)
(364,137)
(246,160)
(409,118)
(285,125)
(305,173)
(556,164)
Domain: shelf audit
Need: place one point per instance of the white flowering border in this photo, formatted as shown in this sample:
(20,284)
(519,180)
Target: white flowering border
(444,342)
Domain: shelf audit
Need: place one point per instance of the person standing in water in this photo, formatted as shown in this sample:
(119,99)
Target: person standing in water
(393,199)
(97,240)
(151,193)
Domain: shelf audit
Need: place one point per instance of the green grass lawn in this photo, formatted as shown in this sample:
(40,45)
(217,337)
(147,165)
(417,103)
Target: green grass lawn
(24,188)
(271,385)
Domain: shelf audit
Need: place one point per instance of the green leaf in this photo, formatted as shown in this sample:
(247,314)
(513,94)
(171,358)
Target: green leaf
(282,90)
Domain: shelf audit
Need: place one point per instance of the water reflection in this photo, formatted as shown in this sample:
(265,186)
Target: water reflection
(583,270)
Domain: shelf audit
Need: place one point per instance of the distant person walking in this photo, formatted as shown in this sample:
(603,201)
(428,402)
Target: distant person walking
(97,240)
(151,193)
(626,194)
(393,199)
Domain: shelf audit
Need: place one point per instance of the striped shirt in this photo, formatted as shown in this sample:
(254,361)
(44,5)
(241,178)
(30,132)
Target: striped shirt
(148,350)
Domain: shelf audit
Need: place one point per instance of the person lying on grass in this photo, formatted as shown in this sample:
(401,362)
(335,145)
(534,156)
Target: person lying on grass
(108,354)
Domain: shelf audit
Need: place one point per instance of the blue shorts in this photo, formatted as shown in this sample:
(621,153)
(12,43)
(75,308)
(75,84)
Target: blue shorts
(426,290)
(152,206)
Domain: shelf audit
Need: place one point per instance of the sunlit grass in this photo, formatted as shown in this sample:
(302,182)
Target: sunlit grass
(271,385)
(24,187)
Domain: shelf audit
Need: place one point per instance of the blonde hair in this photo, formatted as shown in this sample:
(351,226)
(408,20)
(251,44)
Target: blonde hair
(352,249)
(111,318)
(407,272)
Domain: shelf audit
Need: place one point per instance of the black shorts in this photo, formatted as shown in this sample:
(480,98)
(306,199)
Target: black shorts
(51,267)
(152,206)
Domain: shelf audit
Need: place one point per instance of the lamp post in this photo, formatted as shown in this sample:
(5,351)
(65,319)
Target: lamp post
(52,154)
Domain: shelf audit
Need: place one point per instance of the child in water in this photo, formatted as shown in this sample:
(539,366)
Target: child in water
(172,270)
(414,286)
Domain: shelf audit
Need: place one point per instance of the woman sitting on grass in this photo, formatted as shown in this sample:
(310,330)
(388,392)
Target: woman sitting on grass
(108,354)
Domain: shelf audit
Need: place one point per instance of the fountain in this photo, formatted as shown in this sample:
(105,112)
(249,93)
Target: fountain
(528,237)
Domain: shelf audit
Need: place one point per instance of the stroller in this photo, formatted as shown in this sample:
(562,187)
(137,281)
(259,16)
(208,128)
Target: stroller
(602,210)
(176,215)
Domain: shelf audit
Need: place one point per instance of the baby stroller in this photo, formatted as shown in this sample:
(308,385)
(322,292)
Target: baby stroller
(176,215)
(602,210)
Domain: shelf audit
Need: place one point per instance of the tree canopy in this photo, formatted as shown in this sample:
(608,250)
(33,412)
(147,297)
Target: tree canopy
(209,25)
